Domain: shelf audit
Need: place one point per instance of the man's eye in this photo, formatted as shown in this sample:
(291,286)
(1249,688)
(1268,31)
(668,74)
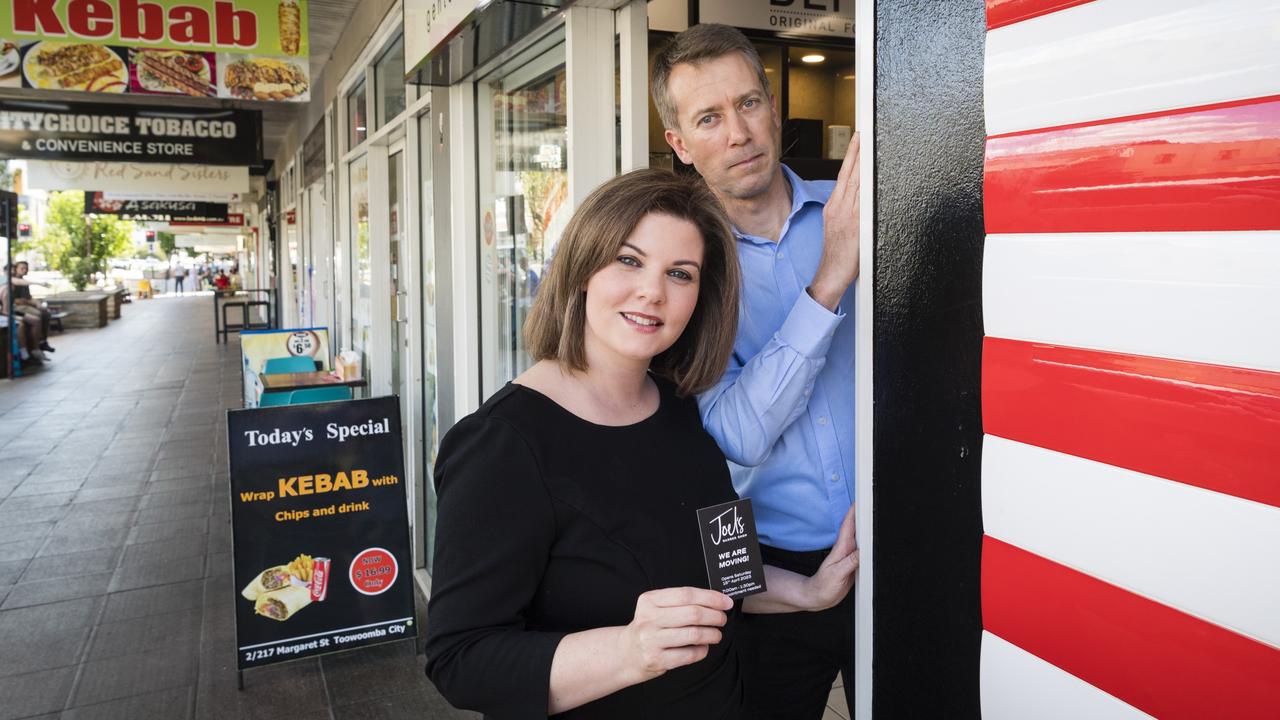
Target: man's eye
(706,119)
(750,103)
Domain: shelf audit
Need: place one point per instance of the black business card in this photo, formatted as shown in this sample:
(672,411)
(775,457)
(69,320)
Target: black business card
(731,548)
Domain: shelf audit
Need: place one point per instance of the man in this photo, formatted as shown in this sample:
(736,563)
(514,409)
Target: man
(25,305)
(179,276)
(783,412)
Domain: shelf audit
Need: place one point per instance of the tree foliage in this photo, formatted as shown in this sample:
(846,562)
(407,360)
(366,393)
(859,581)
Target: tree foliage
(77,245)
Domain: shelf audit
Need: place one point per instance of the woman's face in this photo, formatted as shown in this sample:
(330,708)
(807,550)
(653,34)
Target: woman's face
(639,303)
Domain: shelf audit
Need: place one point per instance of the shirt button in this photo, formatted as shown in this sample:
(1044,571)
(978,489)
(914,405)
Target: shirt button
(835,477)
(822,420)
(781,255)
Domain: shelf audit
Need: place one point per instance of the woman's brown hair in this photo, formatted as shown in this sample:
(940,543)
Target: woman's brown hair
(556,326)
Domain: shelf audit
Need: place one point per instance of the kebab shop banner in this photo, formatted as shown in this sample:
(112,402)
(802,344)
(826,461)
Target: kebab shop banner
(320,529)
(259,346)
(244,49)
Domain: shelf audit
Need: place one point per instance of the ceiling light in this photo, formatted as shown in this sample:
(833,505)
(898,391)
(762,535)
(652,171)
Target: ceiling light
(812,58)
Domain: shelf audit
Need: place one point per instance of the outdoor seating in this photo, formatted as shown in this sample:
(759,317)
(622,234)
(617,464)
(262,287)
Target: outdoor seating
(288,365)
(86,309)
(55,318)
(274,399)
(316,395)
(222,299)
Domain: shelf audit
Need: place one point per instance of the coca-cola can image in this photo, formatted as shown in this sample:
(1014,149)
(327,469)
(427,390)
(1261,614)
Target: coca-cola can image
(320,579)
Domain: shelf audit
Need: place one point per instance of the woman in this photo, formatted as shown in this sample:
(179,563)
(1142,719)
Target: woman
(568,574)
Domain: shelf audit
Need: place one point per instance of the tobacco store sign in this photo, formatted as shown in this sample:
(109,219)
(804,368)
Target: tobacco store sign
(65,131)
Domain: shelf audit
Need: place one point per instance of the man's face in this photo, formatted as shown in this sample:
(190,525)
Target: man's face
(728,126)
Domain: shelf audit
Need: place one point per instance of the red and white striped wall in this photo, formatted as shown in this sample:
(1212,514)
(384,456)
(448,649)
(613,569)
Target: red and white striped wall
(1131,367)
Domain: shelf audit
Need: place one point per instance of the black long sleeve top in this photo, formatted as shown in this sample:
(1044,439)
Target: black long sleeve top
(550,524)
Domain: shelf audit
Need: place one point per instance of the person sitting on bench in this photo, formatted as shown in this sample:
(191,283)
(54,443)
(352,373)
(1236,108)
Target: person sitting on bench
(25,305)
(28,348)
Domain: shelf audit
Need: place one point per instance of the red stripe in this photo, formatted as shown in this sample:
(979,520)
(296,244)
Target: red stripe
(1210,426)
(1202,169)
(1007,12)
(1164,662)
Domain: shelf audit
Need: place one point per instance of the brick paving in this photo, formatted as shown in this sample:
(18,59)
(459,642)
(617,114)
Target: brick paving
(115,565)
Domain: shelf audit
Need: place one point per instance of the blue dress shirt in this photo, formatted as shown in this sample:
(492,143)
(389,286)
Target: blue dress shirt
(783,412)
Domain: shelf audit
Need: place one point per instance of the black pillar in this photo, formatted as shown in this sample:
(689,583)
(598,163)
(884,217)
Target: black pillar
(928,338)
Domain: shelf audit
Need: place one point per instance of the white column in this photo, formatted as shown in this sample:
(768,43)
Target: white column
(633,54)
(590,75)
(465,265)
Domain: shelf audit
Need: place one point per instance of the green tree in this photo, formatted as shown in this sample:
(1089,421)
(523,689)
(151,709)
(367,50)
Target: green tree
(77,245)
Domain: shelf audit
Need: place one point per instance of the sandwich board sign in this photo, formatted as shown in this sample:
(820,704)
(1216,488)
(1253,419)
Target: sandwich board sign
(320,529)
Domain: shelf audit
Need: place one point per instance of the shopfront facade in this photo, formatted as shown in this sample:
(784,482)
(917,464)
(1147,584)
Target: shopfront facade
(425,193)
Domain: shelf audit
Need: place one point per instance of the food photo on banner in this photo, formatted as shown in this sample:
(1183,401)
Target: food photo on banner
(320,529)
(246,49)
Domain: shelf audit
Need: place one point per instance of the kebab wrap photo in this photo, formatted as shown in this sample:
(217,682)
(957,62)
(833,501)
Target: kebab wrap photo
(297,572)
(282,604)
(274,578)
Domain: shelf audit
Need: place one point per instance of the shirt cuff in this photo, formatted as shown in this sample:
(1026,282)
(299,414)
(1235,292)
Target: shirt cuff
(809,327)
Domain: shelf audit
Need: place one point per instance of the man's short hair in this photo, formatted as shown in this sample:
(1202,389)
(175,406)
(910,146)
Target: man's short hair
(556,326)
(694,46)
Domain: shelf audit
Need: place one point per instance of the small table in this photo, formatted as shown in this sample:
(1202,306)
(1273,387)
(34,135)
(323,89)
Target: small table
(288,382)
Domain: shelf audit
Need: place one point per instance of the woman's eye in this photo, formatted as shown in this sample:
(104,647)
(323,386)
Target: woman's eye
(628,260)
(681,275)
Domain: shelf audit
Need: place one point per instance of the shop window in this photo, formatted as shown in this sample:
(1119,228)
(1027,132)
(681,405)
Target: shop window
(361,271)
(430,365)
(820,98)
(389,85)
(524,200)
(357,116)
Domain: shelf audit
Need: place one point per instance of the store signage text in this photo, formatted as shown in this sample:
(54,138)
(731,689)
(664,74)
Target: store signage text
(65,131)
(156,210)
(226,25)
(429,23)
(139,21)
(132,179)
(831,18)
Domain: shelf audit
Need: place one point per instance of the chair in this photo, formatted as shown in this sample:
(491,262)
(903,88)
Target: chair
(274,399)
(289,365)
(316,395)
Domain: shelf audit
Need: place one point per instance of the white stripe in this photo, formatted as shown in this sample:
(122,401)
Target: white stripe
(1204,553)
(1205,297)
(327,633)
(1112,58)
(1017,685)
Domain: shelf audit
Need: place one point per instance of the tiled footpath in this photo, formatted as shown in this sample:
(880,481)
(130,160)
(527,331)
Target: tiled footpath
(115,566)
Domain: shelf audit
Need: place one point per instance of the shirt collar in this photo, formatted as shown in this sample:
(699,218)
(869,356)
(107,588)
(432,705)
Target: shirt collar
(802,193)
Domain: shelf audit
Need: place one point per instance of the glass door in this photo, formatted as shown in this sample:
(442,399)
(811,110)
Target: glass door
(524,197)
(361,283)
(401,379)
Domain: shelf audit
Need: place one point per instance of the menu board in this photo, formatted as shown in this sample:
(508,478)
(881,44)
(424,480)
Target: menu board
(246,49)
(320,529)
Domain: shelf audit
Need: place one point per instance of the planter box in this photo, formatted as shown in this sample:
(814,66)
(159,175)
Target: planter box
(88,309)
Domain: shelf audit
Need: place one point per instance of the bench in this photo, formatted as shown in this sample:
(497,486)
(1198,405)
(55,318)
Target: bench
(84,309)
(55,319)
